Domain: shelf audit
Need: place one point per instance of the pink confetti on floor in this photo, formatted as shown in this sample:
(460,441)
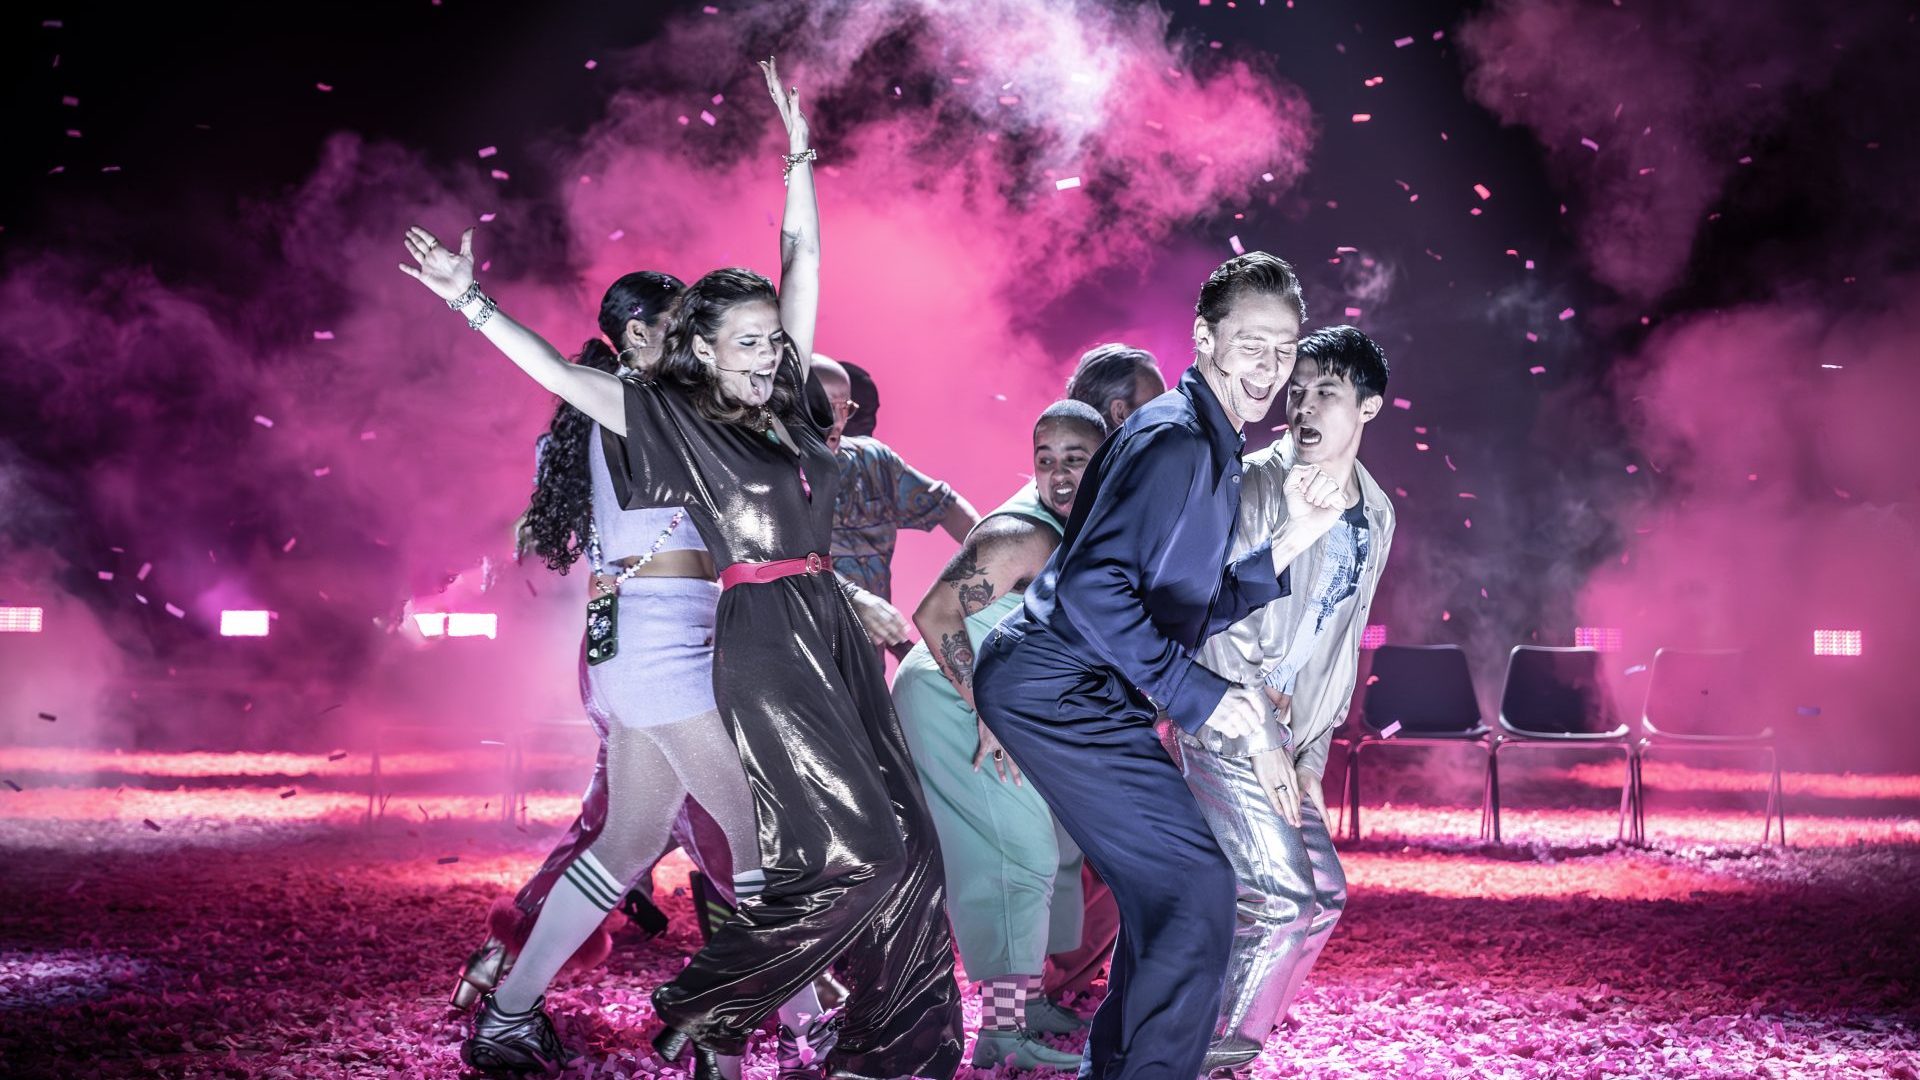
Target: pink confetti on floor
(174,914)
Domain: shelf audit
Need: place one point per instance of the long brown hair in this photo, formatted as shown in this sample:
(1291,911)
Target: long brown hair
(698,312)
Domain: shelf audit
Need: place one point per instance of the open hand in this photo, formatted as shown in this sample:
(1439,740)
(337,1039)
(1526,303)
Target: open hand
(788,101)
(447,273)
(991,750)
(1274,770)
(882,620)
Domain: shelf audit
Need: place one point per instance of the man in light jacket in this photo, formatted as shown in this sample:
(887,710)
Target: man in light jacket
(1262,794)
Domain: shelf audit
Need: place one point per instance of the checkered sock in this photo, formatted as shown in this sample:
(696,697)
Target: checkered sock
(1003,1001)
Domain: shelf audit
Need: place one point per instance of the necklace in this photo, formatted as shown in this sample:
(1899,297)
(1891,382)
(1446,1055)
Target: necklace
(765,420)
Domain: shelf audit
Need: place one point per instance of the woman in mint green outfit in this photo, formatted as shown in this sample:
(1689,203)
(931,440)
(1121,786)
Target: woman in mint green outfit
(1013,877)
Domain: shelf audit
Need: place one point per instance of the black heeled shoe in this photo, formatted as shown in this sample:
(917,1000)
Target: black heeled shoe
(672,1043)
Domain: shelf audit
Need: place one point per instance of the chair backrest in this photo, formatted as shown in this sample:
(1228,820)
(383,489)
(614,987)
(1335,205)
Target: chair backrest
(1426,689)
(1556,691)
(1700,692)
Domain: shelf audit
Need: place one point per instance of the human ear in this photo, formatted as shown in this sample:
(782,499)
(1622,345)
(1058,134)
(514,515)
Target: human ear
(1202,336)
(636,334)
(1370,408)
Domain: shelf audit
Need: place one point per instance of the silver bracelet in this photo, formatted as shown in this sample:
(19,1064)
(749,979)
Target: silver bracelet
(479,318)
(791,160)
(473,293)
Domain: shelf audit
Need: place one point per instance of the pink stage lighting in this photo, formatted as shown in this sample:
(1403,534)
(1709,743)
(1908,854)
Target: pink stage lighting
(1374,636)
(1836,643)
(20,620)
(1598,638)
(243,624)
(472,624)
(457,624)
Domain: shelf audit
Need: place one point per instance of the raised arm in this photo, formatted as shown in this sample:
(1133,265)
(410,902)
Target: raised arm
(450,275)
(799,224)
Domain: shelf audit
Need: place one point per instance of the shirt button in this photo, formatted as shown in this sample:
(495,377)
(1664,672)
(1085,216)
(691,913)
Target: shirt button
(1236,479)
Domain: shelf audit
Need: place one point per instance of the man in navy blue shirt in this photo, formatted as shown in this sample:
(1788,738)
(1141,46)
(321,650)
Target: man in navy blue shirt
(1072,683)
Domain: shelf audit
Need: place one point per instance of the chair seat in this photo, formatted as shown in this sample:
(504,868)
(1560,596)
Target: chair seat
(1405,735)
(1668,738)
(1520,735)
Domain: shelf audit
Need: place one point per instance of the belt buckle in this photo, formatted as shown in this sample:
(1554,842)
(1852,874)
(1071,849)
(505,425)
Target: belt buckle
(814,562)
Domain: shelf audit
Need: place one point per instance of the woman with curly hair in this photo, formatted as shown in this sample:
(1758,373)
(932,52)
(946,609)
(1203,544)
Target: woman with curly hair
(851,862)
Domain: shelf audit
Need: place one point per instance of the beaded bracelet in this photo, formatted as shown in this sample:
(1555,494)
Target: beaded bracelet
(473,293)
(479,318)
(786,174)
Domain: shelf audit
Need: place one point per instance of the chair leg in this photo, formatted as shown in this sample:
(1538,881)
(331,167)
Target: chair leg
(1353,791)
(1640,797)
(1626,796)
(1486,798)
(1775,806)
(1346,785)
(1493,786)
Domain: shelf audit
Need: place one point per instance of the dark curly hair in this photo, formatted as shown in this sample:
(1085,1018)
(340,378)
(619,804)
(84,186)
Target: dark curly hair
(698,313)
(562,503)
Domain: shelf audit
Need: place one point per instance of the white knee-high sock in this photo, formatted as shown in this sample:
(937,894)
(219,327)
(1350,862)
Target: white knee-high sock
(577,906)
(797,1011)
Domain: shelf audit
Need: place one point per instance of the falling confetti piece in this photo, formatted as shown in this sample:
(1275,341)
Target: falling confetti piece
(337,755)
(1591,145)
(106,575)
(1803,710)
(591,64)
(1481,190)
(145,569)
(1362,117)
(1390,730)
(322,470)
(13,785)
(1402,403)
(444,860)
(500,174)
(288,546)
(1353,313)
(263,421)
(175,612)
(1536,370)
(48,717)
(489,151)
(148,822)
(288,794)
(325,88)
(323,335)
(366,436)
(708,118)
(1567,314)
(1401,43)
(1069,182)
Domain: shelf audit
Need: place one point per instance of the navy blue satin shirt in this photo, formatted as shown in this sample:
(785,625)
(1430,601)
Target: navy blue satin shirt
(1141,578)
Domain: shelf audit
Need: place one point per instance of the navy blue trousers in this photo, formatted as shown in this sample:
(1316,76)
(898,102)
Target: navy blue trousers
(1087,744)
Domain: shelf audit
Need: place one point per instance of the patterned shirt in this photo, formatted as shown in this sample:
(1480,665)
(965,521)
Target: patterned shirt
(880,494)
(1343,558)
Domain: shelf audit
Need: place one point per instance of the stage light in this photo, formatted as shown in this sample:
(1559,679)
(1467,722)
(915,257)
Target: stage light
(20,620)
(431,624)
(472,624)
(1374,636)
(1836,643)
(243,624)
(1597,638)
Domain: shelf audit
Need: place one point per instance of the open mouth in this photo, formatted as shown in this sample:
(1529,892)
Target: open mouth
(1061,496)
(1256,391)
(1305,435)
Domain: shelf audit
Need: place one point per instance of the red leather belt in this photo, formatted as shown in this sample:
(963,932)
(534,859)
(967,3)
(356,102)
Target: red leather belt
(758,573)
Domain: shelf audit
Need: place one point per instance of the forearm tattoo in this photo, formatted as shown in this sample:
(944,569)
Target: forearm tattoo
(956,655)
(970,582)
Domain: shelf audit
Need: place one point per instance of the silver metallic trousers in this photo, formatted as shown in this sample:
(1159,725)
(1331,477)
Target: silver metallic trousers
(1290,887)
